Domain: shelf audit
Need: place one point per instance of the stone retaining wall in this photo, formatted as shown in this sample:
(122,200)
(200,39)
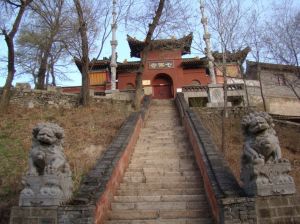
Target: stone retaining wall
(227,199)
(90,204)
(278,209)
(42,98)
(275,103)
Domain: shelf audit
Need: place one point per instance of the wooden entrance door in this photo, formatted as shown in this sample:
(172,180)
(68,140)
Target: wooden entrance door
(162,87)
(162,92)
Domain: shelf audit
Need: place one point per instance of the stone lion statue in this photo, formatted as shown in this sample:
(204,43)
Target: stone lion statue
(48,181)
(263,171)
(46,155)
(261,143)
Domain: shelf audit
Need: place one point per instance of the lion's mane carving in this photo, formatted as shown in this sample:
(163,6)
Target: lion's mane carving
(263,171)
(46,155)
(48,181)
(261,143)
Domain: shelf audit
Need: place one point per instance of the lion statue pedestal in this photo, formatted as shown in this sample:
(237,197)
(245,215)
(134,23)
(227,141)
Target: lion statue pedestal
(48,181)
(263,171)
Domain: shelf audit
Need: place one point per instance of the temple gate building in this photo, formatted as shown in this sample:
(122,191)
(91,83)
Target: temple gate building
(166,71)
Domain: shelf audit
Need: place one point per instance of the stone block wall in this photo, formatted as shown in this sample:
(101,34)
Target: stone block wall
(283,209)
(92,200)
(75,214)
(35,98)
(227,199)
(275,103)
(33,215)
(41,98)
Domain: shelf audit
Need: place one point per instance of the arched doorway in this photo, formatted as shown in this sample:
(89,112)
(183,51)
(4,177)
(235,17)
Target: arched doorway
(162,87)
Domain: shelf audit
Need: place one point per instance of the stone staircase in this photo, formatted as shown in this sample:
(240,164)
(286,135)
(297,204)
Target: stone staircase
(162,184)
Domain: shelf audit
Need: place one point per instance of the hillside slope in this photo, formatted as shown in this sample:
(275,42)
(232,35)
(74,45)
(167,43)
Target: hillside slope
(289,139)
(87,132)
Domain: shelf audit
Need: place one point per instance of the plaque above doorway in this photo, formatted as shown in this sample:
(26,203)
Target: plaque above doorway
(161,64)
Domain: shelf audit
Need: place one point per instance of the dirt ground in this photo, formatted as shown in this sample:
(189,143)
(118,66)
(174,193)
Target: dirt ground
(289,139)
(87,133)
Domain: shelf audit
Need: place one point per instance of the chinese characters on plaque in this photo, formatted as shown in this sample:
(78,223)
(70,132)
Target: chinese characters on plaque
(161,64)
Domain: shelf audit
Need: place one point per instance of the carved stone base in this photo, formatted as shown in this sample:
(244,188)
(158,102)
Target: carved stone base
(47,190)
(268,179)
(216,96)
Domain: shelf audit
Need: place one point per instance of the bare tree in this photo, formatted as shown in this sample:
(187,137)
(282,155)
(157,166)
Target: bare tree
(84,94)
(50,21)
(229,31)
(282,39)
(40,41)
(254,40)
(30,51)
(93,18)
(144,54)
(172,20)
(281,35)
(20,6)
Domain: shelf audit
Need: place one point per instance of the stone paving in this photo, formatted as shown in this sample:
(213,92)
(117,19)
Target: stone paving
(162,183)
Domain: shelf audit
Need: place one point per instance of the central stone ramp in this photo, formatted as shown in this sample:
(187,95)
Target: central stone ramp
(162,184)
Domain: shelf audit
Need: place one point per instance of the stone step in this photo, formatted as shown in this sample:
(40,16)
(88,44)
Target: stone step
(132,168)
(177,130)
(175,166)
(155,148)
(160,138)
(153,172)
(163,119)
(168,198)
(162,184)
(154,214)
(158,192)
(162,156)
(169,124)
(163,221)
(163,161)
(159,170)
(145,151)
(160,153)
(160,205)
(143,179)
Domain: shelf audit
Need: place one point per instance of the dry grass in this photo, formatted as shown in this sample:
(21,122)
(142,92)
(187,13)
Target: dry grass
(87,133)
(289,139)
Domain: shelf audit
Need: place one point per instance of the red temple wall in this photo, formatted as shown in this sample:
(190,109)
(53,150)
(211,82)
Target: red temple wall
(179,76)
(124,79)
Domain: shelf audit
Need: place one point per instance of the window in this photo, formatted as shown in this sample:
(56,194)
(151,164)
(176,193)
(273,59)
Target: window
(280,80)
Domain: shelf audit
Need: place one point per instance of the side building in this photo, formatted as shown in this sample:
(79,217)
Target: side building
(280,86)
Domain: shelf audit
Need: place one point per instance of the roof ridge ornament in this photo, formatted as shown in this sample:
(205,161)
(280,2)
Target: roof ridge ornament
(184,43)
